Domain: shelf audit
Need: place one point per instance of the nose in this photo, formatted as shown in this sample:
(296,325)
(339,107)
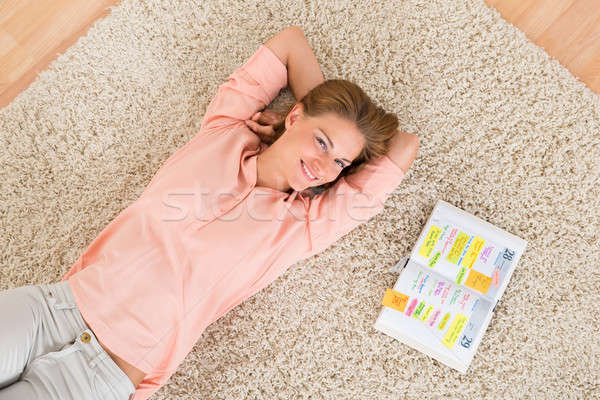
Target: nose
(319,169)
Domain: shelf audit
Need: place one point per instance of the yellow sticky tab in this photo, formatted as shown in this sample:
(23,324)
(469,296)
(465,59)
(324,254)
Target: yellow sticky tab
(444,321)
(457,247)
(395,300)
(455,329)
(473,252)
(430,241)
(426,313)
(478,281)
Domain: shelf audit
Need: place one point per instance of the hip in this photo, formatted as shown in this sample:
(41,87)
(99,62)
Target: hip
(135,375)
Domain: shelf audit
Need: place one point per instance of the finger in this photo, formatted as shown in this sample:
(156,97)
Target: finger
(253,125)
(272,116)
(264,118)
(263,129)
(256,116)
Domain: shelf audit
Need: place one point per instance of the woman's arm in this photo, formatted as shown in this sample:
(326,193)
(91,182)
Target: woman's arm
(404,149)
(248,89)
(292,48)
(357,197)
(294,51)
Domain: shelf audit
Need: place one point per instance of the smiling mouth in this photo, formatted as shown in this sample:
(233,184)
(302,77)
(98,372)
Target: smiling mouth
(307,172)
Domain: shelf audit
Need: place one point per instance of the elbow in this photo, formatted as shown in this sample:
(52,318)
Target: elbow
(414,150)
(297,32)
(404,150)
(296,29)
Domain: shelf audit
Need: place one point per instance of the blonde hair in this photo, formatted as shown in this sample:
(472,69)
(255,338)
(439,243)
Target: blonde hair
(347,100)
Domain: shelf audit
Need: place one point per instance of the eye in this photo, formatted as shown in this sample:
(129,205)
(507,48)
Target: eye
(322,143)
(324,146)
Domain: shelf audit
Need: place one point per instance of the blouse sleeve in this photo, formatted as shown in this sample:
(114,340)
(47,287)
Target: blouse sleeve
(325,218)
(250,88)
(353,200)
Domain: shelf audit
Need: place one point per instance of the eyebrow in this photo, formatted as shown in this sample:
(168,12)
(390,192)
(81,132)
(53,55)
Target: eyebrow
(331,143)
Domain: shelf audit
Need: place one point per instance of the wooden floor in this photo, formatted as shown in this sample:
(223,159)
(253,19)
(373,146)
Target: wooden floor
(34,32)
(568,30)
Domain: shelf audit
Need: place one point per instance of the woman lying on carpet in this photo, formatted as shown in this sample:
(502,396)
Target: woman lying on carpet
(223,217)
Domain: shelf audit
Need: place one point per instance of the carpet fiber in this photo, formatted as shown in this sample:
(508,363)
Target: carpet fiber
(506,133)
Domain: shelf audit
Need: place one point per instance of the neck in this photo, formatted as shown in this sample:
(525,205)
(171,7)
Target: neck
(267,173)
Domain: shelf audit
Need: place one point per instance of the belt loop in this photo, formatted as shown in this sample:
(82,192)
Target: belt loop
(97,358)
(65,306)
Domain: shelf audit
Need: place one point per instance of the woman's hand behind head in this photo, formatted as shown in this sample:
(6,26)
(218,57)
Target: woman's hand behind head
(262,123)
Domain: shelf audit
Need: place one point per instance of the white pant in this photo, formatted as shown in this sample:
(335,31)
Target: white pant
(47,351)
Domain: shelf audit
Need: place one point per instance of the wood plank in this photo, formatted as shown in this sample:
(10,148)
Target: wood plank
(36,32)
(567,34)
(568,30)
(540,15)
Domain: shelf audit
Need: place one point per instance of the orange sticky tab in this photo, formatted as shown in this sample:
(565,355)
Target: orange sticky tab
(478,281)
(395,300)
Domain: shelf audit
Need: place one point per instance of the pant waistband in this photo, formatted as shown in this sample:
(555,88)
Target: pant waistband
(87,341)
(61,291)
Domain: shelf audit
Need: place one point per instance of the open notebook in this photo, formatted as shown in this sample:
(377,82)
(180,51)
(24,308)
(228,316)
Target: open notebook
(449,285)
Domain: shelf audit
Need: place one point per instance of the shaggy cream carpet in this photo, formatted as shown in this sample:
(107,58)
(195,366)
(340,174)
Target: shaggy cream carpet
(506,133)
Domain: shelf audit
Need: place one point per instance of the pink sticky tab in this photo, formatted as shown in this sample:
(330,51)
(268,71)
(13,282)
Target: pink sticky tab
(496,277)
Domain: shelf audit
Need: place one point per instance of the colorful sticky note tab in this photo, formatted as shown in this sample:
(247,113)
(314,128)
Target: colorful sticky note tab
(442,324)
(395,300)
(478,281)
(434,259)
(427,313)
(434,317)
(454,331)
(411,307)
(473,252)
(461,275)
(496,277)
(430,240)
(419,310)
(457,247)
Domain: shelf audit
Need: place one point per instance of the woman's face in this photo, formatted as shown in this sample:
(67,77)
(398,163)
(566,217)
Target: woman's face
(323,145)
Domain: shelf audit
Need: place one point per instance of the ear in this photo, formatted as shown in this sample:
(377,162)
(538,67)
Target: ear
(294,115)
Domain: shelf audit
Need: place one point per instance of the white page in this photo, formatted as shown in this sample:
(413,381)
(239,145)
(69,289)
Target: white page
(467,250)
(440,314)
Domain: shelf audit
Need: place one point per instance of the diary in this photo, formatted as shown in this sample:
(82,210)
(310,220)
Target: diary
(449,285)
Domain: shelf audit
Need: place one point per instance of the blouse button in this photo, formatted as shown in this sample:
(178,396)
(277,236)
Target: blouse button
(85,337)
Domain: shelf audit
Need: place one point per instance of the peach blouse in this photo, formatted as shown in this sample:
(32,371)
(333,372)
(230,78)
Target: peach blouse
(202,237)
